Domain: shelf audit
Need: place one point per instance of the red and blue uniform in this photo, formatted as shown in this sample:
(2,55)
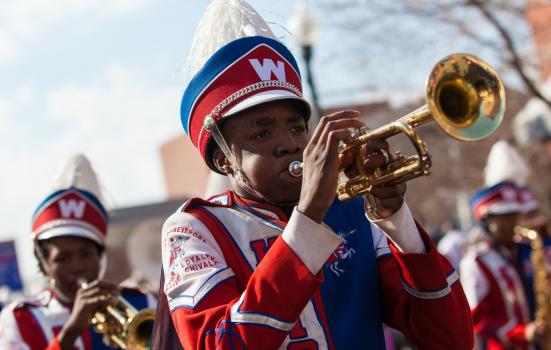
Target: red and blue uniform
(34,323)
(240,275)
(496,294)
(491,276)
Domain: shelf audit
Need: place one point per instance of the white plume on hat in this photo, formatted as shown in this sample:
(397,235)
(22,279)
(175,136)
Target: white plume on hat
(505,163)
(223,21)
(77,171)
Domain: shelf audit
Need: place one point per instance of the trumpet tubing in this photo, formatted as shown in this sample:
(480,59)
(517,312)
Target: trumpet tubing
(463,95)
(122,325)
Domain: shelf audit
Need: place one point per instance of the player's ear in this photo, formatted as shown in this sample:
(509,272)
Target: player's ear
(221,162)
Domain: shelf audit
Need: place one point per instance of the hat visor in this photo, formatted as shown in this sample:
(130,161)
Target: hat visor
(73,231)
(502,209)
(265,97)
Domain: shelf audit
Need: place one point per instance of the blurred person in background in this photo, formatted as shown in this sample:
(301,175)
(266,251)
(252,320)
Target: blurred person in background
(505,163)
(491,276)
(452,245)
(69,230)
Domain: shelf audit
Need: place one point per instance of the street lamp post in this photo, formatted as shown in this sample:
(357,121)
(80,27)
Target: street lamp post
(305,31)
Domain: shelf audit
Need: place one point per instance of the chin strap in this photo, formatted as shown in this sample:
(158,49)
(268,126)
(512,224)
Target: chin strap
(210,125)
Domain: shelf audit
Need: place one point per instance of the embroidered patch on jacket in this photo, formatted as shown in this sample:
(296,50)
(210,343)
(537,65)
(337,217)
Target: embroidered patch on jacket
(343,252)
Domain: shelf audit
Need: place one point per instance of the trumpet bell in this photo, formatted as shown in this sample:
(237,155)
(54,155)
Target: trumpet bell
(139,329)
(464,97)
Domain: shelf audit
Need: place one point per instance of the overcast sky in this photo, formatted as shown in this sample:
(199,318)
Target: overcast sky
(103,77)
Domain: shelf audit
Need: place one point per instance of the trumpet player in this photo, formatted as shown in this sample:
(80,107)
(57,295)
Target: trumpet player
(277,262)
(491,275)
(69,231)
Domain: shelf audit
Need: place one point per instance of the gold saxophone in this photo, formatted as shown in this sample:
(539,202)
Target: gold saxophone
(542,288)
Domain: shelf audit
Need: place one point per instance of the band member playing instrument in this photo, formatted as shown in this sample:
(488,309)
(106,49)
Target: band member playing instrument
(490,273)
(69,231)
(277,262)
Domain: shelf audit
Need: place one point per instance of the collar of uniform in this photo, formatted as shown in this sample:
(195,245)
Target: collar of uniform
(41,299)
(61,303)
(269,211)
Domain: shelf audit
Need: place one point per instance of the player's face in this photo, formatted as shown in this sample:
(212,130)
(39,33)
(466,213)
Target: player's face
(502,227)
(70,258)
(265,140)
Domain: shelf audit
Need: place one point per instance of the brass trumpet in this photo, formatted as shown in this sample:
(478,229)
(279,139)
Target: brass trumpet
(122,325)
(463,95)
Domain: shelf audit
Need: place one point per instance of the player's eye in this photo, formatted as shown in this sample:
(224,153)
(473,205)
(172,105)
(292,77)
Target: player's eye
(262,134)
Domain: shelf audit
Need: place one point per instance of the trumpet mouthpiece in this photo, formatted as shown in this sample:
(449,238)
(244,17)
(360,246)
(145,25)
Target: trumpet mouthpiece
(295,168)
(82,282)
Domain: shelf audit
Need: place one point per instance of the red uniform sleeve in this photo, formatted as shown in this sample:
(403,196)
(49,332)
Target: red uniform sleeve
(423,298)
(209,307)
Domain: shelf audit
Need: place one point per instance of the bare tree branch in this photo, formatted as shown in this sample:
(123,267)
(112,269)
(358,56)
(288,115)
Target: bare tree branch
(364,17)
(515,59)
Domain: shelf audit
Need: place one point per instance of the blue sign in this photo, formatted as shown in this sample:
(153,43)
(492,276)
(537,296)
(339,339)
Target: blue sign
(9,271)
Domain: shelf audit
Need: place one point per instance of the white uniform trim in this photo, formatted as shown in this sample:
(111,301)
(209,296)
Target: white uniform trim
(400,228)
(312,242)
(474,282)
(502,331)
(380,242)
(381,251)
(10,337)
(451,279)
(190,301)
(246,317)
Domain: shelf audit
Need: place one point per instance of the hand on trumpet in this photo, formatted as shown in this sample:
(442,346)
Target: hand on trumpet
(372,156)
(322,163)
(536,333)
(89,299)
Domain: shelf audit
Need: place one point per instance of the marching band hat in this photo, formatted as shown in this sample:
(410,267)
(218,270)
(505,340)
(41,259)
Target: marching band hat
(242,74)
(501,198)
(527,200)
(74,207)
(235,64)
(505,163)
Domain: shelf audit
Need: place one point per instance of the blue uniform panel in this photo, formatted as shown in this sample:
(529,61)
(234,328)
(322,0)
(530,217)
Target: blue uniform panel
(136,299)
(351,288)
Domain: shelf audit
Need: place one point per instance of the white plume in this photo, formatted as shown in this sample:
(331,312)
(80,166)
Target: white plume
(77,171)
(223,21)
(505,163)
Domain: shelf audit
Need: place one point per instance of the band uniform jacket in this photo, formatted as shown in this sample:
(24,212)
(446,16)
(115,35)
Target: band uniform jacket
(238,275)
(33,323)
(496,295)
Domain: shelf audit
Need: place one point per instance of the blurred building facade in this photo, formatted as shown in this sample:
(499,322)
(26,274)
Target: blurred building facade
(134,243)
